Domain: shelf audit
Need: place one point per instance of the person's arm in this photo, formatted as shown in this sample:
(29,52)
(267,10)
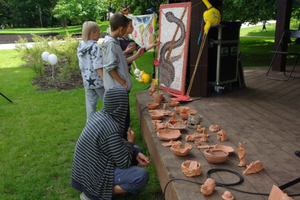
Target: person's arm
(150,46)
(116,76)
(100,72)
(138,54)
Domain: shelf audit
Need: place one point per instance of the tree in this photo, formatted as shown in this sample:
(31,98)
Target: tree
(251,11)
(78,11)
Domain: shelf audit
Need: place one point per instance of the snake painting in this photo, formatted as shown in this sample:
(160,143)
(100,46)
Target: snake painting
(167,69)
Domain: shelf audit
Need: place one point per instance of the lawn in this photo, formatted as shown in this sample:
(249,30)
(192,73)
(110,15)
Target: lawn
(39,130)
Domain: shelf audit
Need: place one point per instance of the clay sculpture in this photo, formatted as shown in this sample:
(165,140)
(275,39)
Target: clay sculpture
(254,167)
(204,135)
(214,128)
(227,195)
(165,134)
(193,120)
(228,149)
(152,105)
(158,97)
(169,144)
(222,135)
(208,187)
(181,152)
(277,194)
(215,155)
(176,125)
(191,168)
(241,154)
(199,128)
(173,103)
(197,142)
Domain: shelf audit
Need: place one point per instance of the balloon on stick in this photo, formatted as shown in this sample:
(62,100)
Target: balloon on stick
(45,56)
(52,58)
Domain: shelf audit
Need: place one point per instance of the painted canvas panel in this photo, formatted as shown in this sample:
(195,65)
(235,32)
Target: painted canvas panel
(144,29)
(174,28)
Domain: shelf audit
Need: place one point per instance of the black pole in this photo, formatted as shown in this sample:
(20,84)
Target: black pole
(6,97)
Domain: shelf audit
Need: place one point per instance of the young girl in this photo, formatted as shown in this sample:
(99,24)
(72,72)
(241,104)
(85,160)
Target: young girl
(90,62)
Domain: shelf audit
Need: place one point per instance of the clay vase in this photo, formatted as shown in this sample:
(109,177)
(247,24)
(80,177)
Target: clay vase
(215,155)
(191,168)
(157,98)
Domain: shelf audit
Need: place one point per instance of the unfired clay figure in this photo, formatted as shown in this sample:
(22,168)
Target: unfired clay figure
(152,88)
(199,128)
(277,194)
(152,105)
(158,125)
(197,142)
(181,152)
(222,135)
(173,103)
(227,195)
(254,167)
(191,168)
(165,134)
(176,125)
(215,155)
(208,187)
(169,144)
(241,153)
(214,128)
(204,135)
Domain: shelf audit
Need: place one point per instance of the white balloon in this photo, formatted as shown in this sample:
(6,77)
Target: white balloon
(52,58)
(45,55)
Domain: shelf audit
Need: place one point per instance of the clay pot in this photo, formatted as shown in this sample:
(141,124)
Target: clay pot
(181,152)
(156,116)
(173,103)
(227,196)
(178,108)
(152,105)
(191,168)
(157,98)
(165,134)
(215,155)
(228,149)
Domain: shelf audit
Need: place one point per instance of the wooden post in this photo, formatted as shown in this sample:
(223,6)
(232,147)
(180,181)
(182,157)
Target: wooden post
(284,9)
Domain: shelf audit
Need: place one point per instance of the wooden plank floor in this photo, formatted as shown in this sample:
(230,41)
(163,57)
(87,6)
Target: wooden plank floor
(265,115)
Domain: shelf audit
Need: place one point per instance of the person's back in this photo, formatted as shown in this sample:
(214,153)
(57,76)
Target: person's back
(89,55)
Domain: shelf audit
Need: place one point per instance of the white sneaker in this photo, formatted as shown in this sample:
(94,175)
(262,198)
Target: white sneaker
(83,196)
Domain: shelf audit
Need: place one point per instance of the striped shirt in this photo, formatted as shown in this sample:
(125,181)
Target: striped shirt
(100,147)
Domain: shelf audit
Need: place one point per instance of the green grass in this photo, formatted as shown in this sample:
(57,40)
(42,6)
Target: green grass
(39,131)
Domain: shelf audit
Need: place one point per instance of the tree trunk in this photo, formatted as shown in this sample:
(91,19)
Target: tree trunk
(40,12)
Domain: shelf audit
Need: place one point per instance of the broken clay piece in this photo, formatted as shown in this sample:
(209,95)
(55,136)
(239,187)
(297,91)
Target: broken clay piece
(208,187)
(253,168)
(215,155)
(152,105)
(227,195)
(191,168)
(173,103)
(214,128)
(241,154)
(168,134)
(169,144)
(158,125)
(222,135)
(277,194)
(197,142)
(181,152)
(176,125)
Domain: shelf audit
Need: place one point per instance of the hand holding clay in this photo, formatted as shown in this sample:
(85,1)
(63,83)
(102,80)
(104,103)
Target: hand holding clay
(143,160)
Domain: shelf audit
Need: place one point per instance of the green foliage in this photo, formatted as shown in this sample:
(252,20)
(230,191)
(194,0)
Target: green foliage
(64,50)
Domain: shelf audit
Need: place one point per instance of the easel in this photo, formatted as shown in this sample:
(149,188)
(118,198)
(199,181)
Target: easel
(6,97)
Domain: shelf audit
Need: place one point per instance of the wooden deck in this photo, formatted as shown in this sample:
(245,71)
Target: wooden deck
(265,115)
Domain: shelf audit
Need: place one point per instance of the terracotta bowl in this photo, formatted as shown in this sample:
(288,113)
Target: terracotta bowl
(152,105)
(157,116)
(228,149)
(168,134)
(173,103)
(215,155)
(191,168)
(181,152)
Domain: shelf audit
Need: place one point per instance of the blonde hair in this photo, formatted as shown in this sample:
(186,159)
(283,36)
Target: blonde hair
(87,28)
